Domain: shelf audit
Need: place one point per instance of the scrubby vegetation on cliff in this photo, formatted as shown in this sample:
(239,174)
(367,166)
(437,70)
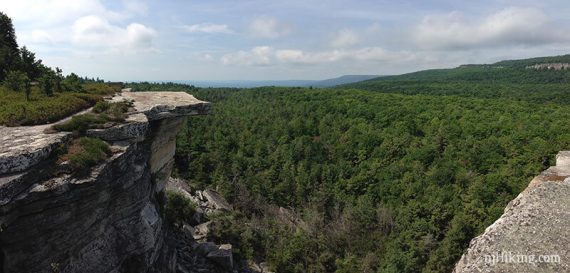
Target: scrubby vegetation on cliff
(103,112)
(383,182)
(84,153)
(178,209)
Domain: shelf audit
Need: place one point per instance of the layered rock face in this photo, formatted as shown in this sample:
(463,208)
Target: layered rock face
(109,221)
(548,66)
(533,234)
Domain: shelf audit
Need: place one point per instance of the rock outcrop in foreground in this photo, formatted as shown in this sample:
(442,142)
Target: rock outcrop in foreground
(533,234)
(109,221)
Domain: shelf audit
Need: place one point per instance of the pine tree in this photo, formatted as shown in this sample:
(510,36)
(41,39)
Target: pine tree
(9,53)
(47,85)
(28,89)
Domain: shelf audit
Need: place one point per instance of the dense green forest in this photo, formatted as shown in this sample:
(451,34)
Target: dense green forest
(384,182)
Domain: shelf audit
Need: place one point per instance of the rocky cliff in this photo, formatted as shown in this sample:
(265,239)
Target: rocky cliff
(533,234)
(108,221)
(549,66)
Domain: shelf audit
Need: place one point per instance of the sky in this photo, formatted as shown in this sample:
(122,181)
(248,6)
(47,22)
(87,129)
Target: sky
(174,40)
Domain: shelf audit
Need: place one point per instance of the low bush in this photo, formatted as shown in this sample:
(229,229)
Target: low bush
(81,123)
(16,110)
(116,111)
(179,209)
(39,108)
(101,88)
(102,112)
(101,106)
(84,153)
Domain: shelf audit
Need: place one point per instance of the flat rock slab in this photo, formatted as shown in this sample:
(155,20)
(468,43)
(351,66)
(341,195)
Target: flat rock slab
(532,235)
(23,147)
(163,104)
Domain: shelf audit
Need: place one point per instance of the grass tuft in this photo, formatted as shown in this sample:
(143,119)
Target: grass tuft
(84,153)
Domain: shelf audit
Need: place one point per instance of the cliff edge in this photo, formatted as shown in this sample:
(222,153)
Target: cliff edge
(108,221)
(533,234)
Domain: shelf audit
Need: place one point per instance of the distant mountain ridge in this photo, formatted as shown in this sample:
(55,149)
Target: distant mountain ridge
(343,80)
(346,79)
(506,72)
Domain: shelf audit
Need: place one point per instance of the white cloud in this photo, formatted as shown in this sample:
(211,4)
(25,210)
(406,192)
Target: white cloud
(95,32)
(511,26)
(291,55)
(139,36)
(55,12)
(207,28)
(266,27)
(380,55)
(84,24)
(41,37)
(265,56)
(258,56)
(135,7)
(345,38)
(207,57)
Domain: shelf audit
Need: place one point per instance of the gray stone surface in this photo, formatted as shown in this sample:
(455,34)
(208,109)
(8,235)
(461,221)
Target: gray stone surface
(536,223)
(202,230)
(563,158)
(549,66)
(134,128)
(222,256)
(161,105)
(216,200)
(207,201)
(23,147)
(77,223)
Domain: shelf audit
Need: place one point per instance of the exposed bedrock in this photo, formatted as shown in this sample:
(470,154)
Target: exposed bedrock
(111,220)
(533,234)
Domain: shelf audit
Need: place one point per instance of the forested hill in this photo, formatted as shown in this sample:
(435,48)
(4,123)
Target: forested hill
(506,79)
(381,182)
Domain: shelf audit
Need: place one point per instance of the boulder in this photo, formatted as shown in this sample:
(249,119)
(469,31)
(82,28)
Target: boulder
(201,231)
(188,230)
(265,267)
(290,218)
(222,257)
(255,268)
(206,248)
(216,201)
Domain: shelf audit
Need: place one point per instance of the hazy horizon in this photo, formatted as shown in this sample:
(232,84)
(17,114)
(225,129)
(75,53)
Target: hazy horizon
(136,40)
